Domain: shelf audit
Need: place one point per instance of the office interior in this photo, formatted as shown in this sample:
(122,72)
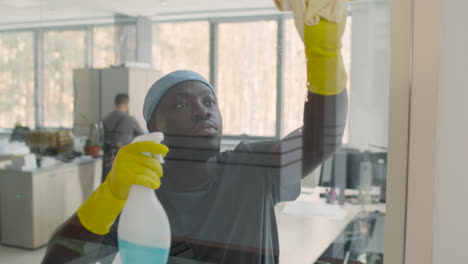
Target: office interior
(62,63)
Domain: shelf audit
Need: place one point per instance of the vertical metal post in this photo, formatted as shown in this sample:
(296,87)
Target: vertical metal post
(213,53)
(89,51)
(279,77)
(144,40)
(38,85)
(125,45)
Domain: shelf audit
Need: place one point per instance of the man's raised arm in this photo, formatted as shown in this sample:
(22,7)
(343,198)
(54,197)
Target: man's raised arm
(325,110)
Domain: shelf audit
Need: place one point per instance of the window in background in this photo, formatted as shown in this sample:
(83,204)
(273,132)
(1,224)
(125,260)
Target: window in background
(17,79)
(125,43)
(295,78)
(63,52)
(182,46)
(246,77)
(103,46)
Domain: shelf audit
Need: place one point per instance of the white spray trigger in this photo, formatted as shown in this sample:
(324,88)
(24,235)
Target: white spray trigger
(156,137)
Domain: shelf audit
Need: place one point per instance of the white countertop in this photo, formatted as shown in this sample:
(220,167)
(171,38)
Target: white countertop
(59,165)
(309,226)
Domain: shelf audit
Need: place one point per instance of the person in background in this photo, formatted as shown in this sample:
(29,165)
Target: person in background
(220,204)
(119,130)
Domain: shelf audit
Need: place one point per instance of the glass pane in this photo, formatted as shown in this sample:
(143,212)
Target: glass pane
(17,79)
(179,46)
(246,77)
(103,47)
(315,195)
(63,52)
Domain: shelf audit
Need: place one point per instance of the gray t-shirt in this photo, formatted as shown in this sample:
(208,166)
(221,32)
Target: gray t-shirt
(230,218)
(122,125)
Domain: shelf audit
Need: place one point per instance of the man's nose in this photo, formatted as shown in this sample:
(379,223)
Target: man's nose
(200,111)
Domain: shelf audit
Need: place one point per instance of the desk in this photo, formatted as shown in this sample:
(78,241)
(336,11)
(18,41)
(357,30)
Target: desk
(304,239)
(33,203)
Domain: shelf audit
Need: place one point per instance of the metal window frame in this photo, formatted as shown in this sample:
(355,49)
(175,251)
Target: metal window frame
(213,53)
(280,46)
(38,77)
(89,47)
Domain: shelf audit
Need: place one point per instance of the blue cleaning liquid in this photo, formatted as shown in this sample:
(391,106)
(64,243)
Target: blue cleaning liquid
(131,253)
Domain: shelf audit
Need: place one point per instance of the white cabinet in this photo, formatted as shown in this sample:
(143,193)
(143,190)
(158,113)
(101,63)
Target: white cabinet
(34,203)
(48,206)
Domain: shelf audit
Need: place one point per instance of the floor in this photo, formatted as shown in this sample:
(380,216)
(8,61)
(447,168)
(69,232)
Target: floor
(11,255)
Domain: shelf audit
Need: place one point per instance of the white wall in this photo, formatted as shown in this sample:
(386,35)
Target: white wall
(437,204)
(451,185)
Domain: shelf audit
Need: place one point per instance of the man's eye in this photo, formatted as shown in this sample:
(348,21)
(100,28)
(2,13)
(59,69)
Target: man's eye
(180,106)
(210,103)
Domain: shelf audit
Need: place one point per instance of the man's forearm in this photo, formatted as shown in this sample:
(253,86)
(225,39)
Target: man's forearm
(73,243)
(324,124)
(326,108)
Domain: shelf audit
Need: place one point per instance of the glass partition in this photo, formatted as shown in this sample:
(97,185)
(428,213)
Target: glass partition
(275,142)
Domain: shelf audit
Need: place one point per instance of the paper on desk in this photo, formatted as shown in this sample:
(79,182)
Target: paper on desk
(308,209)
(117,259)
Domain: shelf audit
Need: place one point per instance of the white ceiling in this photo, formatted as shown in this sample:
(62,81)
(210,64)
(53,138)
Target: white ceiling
(27,11)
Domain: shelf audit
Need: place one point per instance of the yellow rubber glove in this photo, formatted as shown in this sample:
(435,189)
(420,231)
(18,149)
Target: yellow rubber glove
(326,74)
(130,166)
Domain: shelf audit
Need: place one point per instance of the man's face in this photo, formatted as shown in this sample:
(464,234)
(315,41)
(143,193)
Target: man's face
(189,116)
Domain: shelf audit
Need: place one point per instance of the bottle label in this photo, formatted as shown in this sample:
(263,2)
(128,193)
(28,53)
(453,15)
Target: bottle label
(131,253)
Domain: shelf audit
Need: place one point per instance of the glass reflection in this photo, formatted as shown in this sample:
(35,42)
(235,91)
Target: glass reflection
(245,203)
(220,204)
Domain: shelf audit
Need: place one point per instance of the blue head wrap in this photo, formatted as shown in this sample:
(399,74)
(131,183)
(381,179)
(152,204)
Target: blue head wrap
(160,87)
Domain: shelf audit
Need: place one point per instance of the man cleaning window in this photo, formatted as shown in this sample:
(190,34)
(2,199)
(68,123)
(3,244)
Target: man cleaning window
(220,205)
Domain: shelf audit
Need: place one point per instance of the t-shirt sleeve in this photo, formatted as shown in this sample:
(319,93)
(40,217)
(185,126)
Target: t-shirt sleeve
(282,167)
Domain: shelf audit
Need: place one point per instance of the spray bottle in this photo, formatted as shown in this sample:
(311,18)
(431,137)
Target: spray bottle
(144,232)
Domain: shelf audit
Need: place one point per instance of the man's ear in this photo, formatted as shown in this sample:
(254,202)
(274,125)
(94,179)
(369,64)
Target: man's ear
(151,126)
